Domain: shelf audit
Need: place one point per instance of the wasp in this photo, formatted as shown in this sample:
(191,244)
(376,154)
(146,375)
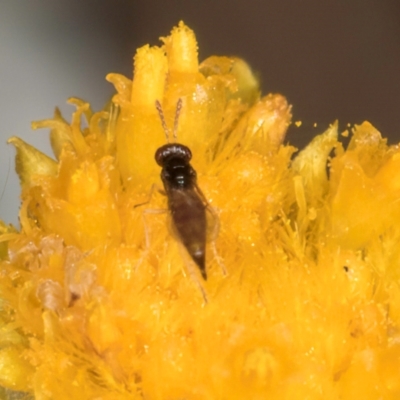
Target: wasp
(186,202)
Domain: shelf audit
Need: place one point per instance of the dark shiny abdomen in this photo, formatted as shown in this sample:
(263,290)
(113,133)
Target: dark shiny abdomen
(189,218)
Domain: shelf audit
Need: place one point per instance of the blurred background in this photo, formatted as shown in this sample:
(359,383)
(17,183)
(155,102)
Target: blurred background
(332,59)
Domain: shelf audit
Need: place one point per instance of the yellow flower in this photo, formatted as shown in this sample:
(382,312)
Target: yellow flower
(101,301)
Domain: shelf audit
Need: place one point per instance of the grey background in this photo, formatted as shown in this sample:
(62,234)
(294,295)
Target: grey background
(333,59)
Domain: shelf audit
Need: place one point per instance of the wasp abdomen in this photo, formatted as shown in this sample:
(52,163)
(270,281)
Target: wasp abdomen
(189,220)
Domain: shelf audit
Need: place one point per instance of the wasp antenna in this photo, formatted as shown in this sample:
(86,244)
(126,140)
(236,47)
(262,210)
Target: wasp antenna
(162,118)
(177,113)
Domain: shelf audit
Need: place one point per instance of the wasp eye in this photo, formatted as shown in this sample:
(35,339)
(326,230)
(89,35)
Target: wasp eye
(185,153)
(159,156)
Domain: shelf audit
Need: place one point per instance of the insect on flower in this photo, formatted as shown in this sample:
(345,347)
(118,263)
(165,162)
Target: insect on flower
(186,202)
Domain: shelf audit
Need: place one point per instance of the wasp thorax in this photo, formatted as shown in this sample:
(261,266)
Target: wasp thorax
(172,151)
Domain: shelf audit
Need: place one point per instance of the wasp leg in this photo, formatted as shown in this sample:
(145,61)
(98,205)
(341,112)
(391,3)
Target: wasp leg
(154,187)
(145,224)
(147,234)
(213,223)
(218,258)
(193,271)
(212,230)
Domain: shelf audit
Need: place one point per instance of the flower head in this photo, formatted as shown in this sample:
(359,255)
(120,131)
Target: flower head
(101,300)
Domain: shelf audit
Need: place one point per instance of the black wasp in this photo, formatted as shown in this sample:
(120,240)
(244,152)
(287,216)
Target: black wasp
(186,202)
